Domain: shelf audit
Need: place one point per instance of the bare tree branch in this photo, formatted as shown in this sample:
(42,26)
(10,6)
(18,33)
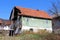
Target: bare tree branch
(55,9)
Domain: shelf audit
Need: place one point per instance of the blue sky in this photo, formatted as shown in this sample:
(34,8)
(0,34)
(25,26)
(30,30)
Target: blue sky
(7,5)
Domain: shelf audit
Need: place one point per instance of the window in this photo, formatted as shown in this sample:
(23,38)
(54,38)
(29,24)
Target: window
(0,23)
(27,19)
(31,29)
(47,21)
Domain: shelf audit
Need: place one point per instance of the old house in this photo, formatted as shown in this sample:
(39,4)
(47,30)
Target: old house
(4,23)
(1,22)
(27,19)
(4,26)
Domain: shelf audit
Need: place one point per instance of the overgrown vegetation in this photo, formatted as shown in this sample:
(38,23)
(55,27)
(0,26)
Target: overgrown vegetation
(29,35)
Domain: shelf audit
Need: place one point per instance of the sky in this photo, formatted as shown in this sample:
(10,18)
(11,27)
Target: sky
(7,5)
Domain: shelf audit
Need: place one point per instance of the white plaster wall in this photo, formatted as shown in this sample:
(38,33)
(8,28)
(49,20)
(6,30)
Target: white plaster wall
(35,29)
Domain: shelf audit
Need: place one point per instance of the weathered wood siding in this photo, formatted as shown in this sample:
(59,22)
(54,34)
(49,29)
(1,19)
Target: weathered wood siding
(56,26)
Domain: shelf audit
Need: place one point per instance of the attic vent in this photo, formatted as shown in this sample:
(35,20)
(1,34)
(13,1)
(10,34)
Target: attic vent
(37,9)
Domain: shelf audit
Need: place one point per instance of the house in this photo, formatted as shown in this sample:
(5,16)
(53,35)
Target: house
(7,24)
(0,22)
(4,24)
(56,24)
(29,19)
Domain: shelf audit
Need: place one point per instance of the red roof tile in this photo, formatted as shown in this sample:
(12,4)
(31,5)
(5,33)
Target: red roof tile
(5,22)
(1,21)
(34,13)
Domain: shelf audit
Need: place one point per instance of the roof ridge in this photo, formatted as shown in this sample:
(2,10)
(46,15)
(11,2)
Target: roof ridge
(28,8)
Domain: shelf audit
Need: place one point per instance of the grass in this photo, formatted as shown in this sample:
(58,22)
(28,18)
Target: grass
(23,37)
(27,35)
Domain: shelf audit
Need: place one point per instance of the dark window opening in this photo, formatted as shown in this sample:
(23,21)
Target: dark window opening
(0,23)
(31,29)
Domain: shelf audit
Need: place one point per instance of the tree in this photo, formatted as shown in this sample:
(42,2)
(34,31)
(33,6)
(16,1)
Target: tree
(55,10)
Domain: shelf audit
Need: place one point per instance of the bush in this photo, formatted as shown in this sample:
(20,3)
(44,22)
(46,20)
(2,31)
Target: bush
(52,37)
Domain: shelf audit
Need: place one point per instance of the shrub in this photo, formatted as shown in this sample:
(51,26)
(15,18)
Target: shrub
(52,37)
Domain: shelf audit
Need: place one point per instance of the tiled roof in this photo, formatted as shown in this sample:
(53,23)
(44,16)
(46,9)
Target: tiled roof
(34,13)
(1,21)
(5,22)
